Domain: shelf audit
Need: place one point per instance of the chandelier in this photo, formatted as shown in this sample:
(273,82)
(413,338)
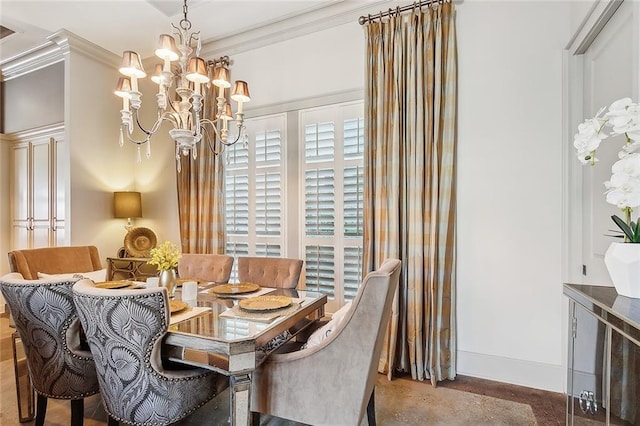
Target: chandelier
(182,80)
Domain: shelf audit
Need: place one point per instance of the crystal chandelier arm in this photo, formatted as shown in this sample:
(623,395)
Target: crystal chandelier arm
(213,126)
(211,142)
(234,141)
(168,116)
(145,131)
(161,117)
(138,142)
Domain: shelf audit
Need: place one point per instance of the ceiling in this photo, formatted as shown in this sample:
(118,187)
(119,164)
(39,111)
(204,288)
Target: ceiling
(119,25)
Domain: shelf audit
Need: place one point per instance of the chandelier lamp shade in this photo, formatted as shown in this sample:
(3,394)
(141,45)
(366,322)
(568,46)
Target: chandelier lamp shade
(183,78)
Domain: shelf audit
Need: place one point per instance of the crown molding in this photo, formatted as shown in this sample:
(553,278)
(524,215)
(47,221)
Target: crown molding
(331,16)
(31,60)
(69,42)
(54,50)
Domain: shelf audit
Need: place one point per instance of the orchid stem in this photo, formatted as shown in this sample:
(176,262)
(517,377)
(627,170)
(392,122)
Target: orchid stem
(627,219)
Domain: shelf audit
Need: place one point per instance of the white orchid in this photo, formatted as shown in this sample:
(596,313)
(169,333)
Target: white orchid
(587,140)
(623,189)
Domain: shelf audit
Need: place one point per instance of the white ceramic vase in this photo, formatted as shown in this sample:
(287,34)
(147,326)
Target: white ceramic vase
(168,279)
(623,264)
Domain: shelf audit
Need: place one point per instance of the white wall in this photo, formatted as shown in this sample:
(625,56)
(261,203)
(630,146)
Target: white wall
(98,166)
(509,289)
(510,303)
(325,62)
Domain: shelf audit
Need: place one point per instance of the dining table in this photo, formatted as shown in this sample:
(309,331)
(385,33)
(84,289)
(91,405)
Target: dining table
(216,332)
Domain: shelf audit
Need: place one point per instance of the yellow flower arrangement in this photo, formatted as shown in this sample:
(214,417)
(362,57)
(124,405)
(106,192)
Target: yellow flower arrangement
(165,256)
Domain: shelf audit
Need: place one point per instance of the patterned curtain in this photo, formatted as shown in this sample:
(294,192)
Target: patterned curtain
(409,192)
(201,196)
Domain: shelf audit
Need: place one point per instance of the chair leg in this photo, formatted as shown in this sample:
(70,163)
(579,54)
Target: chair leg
(41,409)
(371,409)
(24,389)
(77,412)
(113,422)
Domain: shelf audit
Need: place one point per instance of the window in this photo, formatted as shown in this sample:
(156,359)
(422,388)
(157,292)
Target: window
(253,191)
(295,190)
(333,186)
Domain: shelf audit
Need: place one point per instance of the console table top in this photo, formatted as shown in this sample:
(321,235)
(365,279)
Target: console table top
(606,303)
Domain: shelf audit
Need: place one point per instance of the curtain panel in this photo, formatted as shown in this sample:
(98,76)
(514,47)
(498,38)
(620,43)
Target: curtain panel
(201,195)
(409,194)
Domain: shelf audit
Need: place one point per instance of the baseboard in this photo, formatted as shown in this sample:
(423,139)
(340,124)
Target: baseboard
(514,371)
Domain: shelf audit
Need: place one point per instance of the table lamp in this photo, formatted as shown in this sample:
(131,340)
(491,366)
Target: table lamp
(127,205)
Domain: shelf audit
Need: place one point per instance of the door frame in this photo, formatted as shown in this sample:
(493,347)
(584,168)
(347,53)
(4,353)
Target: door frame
(573,64)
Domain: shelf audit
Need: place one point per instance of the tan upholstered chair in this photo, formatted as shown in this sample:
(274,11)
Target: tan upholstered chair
(206,267)
(54,260)
(270,271)
(340,371)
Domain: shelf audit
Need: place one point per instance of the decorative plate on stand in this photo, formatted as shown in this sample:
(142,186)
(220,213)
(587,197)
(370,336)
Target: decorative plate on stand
(139,241)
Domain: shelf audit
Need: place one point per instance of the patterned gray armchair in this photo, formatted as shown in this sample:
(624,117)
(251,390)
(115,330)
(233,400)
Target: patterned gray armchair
(46,319)
(342,366)
(124,329)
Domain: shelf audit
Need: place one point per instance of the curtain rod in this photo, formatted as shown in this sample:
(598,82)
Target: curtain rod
(398,10)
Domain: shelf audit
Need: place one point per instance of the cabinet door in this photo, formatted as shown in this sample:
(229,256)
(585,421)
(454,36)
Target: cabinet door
(625,381)
(38,191)
(20,197)
(41,151)
(60,179)
(586,390)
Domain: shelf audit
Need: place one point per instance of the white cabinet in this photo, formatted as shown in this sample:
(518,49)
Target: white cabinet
(39,171)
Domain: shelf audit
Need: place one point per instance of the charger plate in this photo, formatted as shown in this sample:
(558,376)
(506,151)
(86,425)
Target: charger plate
(114,284)
(264,303)
(235,288)
(176,306)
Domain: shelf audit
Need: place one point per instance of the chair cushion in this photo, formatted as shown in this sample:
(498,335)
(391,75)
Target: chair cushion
(96,276)
(323,332)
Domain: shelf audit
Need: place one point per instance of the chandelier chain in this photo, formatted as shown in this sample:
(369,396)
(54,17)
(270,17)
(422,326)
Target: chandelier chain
(185,24)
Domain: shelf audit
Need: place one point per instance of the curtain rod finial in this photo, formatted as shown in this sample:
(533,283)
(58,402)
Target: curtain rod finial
(362,20)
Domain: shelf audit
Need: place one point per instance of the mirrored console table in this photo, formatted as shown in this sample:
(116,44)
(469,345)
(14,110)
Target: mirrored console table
(603,384)
(129,268)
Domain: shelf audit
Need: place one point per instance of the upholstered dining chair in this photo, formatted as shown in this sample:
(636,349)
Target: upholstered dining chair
(342,366)
(270,271)
(124,330)
(54,260)
(206,267)
(45,317)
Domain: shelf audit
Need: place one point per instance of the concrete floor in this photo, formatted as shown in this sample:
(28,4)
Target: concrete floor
(398,402)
